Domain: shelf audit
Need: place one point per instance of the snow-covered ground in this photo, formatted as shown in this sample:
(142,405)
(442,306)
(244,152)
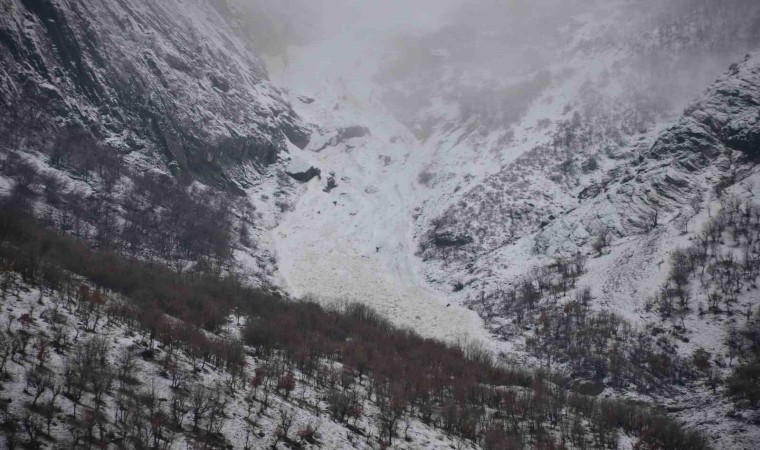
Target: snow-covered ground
(355,242)
(360,240)
(26,311)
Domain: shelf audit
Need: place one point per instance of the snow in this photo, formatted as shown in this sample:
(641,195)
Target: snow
(359,242)
(356,242)
(297,162)
(331,434)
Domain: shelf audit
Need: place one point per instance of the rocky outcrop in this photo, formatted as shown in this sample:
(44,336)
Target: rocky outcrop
(305,175)
(301,170)
(344,134)
(174,80)
(727,116)
(704,150)
(354,131)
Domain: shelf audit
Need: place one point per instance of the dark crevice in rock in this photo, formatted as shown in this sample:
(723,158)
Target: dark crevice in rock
(451,240)
(306,175)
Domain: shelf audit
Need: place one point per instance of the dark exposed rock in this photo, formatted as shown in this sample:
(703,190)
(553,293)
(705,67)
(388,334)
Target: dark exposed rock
(678,182)
(354,131)
(219,82)
(744,137)
(306,175)
(87,65)
(331,184)
(451,240)
(725,117)
(344,134)
(295,132)
(591,191)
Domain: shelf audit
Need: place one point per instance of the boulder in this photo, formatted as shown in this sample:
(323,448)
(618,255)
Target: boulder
(300,170)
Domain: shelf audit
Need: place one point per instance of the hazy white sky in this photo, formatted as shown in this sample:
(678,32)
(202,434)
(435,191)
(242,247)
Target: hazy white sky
(384,14)
(304,21)
(499,38)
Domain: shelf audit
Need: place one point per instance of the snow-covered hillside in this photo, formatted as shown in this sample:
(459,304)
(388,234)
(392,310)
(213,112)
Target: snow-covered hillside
(110,98)
(465,183)
(447,190)
(121,388)
(562,183)
(354,240)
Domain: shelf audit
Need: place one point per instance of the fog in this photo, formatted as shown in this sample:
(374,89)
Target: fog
(484,54)
(301,22)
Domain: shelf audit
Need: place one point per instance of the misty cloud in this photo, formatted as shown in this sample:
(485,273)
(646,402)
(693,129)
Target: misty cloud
(490,59)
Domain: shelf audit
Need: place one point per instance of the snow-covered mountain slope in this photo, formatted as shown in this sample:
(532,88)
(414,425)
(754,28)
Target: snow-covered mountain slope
(596,104)
(467,182)
(709,148)
(175,82)
(683,193)
(479,182)
(458,161)
(109,100)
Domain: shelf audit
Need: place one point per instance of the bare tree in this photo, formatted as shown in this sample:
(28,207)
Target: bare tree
(39,380)
(284,423)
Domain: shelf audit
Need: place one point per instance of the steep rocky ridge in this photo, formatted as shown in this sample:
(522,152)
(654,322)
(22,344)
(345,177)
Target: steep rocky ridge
(176,82)
(709,148)
(548,125)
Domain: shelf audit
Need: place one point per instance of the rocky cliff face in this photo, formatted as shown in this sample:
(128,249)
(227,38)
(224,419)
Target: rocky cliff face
(704,150)
(709,150)
(684,189)
(725,118)
(595,128)
(176,82)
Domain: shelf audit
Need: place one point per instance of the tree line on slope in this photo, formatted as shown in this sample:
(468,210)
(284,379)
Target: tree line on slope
(721,266)
(112,206)
(565,331)
(710,277)
(460,391)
